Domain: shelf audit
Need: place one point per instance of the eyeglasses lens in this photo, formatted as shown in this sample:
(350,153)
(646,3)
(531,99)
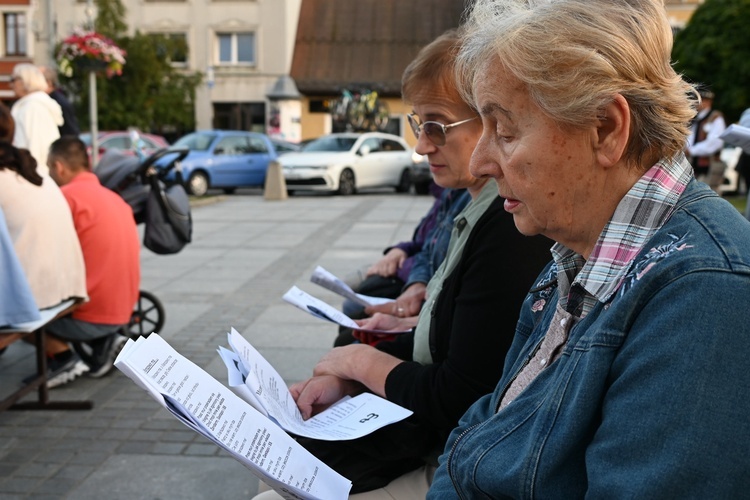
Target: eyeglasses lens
(435,132)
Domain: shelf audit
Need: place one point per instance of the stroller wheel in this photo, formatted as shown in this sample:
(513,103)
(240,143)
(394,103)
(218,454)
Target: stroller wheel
(148,316)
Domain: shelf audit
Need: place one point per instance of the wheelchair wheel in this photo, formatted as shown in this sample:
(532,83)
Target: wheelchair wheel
(148,316)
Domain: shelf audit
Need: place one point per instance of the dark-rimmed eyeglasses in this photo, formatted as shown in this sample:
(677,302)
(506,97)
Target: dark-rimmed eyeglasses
(12,79)
(435,131)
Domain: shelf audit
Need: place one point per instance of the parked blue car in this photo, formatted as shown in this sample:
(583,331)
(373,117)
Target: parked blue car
(227,159)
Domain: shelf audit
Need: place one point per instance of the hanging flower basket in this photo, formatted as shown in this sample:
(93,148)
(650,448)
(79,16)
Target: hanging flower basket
(86,51)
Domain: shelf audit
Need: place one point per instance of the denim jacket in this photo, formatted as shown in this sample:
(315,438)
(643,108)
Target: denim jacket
(650,397)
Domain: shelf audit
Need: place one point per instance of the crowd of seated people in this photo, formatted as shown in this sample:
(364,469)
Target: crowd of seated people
(76,242)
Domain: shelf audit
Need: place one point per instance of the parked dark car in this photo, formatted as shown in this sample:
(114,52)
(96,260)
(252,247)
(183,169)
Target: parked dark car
(227,159)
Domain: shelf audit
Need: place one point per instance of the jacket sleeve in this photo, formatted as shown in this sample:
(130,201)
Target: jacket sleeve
(488,286)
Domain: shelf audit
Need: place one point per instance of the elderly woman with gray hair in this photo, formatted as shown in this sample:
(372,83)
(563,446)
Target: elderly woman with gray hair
(627,377)
(36,114)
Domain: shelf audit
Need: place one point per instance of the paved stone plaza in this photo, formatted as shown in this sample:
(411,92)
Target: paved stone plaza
(246,252)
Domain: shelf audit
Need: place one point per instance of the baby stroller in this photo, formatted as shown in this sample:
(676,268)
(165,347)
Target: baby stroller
(160,202)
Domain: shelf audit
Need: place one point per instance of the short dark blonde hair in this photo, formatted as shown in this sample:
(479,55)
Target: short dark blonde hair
(433,68)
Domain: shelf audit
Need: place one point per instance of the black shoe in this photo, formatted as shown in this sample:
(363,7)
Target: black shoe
(105,351)
(61,369)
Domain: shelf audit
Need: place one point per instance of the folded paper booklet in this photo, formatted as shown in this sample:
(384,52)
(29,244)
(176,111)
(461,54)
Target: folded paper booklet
(737,135)
(209,408)
(330,282)
(316,307)
(258,383)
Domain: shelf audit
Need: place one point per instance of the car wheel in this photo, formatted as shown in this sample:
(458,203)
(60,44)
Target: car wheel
(198,184)
(347,186)
(229,190)
(404,183)
(422,188)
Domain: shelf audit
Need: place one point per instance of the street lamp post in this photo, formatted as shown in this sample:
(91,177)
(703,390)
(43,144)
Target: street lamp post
(93,111)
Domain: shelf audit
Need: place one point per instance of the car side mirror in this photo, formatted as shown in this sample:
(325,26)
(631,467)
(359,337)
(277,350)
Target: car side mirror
(365,150)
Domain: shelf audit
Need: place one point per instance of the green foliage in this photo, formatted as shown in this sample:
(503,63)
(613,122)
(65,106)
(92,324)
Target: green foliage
(714,49)
(150,94)
(110,18)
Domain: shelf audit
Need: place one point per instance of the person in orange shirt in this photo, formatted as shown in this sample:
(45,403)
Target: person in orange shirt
(109,239)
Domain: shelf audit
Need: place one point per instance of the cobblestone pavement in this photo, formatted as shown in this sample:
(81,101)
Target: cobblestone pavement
(246,252)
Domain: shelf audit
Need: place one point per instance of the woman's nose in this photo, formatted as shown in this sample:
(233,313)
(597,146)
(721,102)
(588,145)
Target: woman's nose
(482,165)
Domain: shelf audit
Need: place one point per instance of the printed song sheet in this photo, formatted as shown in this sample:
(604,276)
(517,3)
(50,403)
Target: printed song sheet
(320,309)
(737,135)
(209,408)
(350,418)
(327,280)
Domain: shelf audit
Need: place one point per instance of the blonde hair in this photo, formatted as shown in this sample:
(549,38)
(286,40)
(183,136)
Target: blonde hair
(31,77)
(574,56)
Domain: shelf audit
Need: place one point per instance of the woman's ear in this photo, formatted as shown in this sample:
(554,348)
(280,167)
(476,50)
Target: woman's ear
(613,131)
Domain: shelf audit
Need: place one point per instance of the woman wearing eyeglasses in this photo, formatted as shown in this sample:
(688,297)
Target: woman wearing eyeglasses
(455,354)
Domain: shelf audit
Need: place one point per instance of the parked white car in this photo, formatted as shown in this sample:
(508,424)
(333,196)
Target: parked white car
(346,162)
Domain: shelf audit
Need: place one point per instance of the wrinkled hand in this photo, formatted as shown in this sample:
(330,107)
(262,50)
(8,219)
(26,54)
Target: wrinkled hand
(318,393)
(389,264)
(358,363)
(407,304)
(341,362)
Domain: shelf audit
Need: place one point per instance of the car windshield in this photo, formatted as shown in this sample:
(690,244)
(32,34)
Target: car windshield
(195,142)
(284,147)
(333,144)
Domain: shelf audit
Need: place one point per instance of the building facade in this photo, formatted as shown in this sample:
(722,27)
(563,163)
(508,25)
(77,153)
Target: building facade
(246,49)
(242,47)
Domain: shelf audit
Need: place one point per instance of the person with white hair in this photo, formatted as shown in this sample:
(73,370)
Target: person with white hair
(627,376)
(36,114)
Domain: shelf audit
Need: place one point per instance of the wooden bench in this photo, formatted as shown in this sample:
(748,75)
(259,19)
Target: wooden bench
(39,383)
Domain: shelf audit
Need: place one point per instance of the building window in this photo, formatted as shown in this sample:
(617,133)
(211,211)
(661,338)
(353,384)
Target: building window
(15,34)
(240,116)
(172,45)
(236,48)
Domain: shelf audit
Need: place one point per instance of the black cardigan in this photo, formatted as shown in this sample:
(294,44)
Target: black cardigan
(471,330)
(473,323)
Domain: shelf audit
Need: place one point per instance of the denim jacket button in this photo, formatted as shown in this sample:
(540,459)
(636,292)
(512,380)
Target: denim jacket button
(543,361)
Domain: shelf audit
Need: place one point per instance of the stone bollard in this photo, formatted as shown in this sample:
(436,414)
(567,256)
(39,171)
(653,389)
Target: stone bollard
(275,188)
